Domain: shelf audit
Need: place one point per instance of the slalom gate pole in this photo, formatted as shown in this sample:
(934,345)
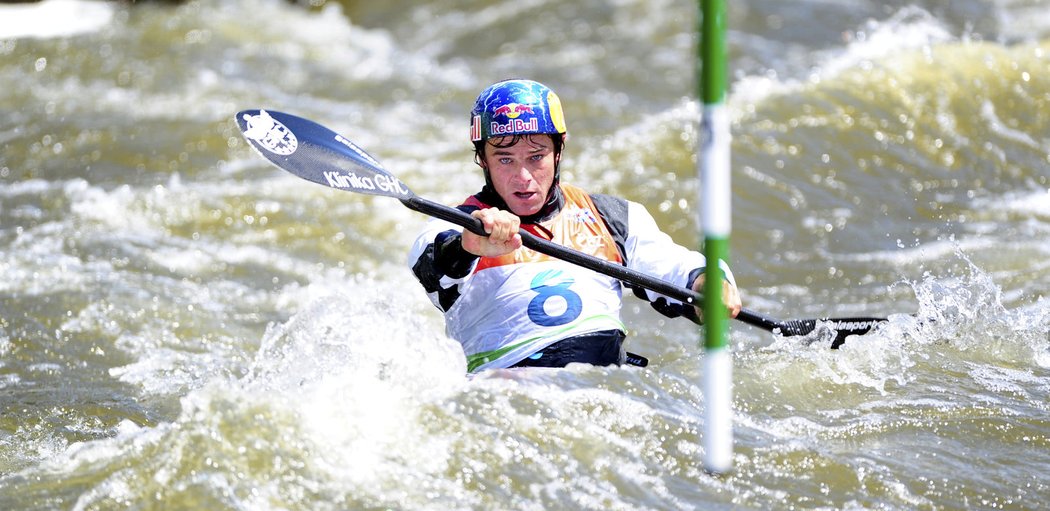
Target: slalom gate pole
(716,213)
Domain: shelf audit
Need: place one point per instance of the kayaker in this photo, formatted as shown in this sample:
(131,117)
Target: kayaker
(510,306)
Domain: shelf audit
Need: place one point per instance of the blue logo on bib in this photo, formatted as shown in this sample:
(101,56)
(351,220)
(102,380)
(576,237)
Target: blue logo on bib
(552,291)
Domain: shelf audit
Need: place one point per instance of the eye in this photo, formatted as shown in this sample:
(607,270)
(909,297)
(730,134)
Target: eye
(505,161)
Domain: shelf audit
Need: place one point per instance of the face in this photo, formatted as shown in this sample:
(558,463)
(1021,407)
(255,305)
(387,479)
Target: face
(523,173)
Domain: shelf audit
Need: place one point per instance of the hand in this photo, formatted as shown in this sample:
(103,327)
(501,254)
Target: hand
(503,237)
(730,296)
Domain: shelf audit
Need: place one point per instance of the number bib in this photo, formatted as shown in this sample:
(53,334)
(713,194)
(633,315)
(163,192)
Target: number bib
(508,313)
(515,305)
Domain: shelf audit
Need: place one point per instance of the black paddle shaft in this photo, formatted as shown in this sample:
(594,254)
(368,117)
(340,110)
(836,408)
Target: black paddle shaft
(844,326)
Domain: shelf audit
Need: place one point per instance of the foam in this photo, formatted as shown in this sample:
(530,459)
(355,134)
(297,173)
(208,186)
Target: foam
(911,28)
(53,18)
(1035,203)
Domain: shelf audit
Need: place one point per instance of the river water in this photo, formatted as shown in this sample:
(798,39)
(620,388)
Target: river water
(183,326)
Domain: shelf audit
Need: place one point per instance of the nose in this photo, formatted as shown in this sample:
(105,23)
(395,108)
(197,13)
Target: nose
(522,175)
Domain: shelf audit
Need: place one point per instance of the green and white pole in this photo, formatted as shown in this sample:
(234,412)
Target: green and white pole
(714,179)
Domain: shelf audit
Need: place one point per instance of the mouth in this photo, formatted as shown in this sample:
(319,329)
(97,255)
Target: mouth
(524,195)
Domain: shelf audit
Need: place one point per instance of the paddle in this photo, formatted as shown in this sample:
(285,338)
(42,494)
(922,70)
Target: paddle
(320,155)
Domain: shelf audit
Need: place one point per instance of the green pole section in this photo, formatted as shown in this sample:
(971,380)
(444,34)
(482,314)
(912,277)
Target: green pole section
(713,52)
(716,190)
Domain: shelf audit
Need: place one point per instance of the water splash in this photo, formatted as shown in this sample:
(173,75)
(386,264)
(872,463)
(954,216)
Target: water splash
(961,319)
(967,312)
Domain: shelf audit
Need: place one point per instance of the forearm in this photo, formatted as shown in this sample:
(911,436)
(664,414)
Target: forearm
(441,259)
(450,258)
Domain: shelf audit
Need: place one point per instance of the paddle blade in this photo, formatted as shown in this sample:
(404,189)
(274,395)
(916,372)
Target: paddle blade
(843,327)
(317,154)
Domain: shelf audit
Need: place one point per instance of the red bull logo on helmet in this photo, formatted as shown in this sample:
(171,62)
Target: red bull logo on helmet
(514,125)
(512,110)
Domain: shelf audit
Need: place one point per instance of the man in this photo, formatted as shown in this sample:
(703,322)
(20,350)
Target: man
(513,307)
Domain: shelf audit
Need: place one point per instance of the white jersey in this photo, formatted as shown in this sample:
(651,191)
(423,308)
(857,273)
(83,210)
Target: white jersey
(512,306)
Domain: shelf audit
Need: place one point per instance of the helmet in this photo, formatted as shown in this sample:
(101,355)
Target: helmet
(516,107)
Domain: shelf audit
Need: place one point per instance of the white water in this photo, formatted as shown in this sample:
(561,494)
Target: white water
(184,327)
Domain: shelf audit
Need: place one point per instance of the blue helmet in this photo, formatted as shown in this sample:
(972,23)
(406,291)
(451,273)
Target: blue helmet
(516,107)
